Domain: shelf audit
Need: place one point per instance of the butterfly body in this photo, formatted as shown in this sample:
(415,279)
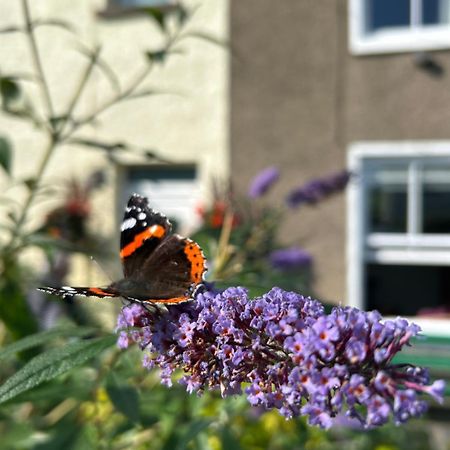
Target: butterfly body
(158,266)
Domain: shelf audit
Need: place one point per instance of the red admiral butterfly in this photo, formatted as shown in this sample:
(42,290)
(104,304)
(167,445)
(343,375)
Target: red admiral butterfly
(158,267)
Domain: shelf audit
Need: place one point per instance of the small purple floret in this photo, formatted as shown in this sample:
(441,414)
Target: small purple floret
(263,182)
(316,190)
(284,352)
(290,258)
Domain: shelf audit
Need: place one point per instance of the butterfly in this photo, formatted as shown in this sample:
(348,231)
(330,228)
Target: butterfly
(158,266)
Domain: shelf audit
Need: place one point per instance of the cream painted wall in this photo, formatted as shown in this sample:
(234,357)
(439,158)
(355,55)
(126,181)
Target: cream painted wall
(191,127)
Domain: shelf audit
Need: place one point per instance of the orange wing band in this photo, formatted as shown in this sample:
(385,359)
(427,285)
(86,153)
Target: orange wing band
(99,291)
(167,301)
(156,231)
(195,255)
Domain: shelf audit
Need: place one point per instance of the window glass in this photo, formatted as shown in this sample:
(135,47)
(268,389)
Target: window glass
(387,13)
(427,289)
(435,12)
(388,200)
(173,191)
(436,200)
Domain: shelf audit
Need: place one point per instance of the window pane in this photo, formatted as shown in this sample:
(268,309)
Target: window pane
(387,14)
(435,12)
(436,200)
(408,290)
(388,201)
(173,191)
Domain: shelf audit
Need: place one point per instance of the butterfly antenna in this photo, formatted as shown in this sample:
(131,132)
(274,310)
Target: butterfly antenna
(101,268)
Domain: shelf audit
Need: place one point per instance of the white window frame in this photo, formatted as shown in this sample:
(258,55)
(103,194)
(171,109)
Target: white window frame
(389,248)
(394,40)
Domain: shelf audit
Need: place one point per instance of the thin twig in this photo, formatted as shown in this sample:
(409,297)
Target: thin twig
(134,84)
(32,191)
(116,99)
(36,58)
(82,83)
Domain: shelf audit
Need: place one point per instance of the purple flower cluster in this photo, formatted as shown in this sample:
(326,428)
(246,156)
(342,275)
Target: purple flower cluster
(315,190)
(263,182)
(290,258)
(285,353)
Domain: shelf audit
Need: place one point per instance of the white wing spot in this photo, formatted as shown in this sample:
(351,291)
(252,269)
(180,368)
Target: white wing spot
(128,223)
(142,216)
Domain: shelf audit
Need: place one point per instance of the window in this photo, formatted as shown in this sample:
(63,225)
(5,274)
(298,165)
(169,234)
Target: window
(173,191)
(399,228)
(385,26)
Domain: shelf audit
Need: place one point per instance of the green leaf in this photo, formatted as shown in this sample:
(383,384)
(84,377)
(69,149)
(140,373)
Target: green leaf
(57,121)
(9,89)
(158,56)
(182,15)
(194,428)
(37,339)
(124,397)
(13,100)
(5,154)
(14,309)
(30,183)
(228,441)
(158,16)
(55,391)
(52,363)
(16,435)
(64,435)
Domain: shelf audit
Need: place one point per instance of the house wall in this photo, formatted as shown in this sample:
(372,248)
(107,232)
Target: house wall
(298,99)
(187,125)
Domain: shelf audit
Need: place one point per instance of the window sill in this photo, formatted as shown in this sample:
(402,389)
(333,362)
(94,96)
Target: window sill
(400,40)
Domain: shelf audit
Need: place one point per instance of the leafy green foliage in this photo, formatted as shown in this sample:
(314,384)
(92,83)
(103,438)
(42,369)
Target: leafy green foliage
(14,310)
(52,363)
(43,337)
(124,397)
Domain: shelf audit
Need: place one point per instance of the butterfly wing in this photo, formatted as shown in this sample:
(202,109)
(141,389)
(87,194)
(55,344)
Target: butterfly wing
(68,291)
(158,267)
(142,230)
(173,272)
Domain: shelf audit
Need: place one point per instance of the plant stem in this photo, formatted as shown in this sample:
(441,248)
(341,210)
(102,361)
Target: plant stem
(32,190)
(36,58)
(134,84)
(82,83)
(116,99)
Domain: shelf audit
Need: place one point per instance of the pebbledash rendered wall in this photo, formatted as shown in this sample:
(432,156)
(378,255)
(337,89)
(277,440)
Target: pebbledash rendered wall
(190,126)
(299,98)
